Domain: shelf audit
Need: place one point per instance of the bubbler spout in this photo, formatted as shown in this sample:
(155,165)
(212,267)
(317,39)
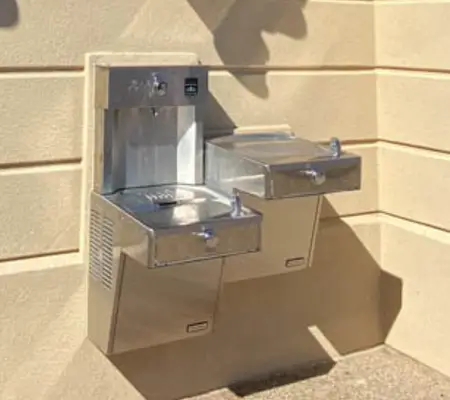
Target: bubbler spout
(236,204)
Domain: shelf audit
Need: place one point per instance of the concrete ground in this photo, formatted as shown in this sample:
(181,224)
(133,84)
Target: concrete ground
(374,375)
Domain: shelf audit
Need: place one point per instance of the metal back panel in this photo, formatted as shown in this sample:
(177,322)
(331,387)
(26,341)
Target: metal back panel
(139,87)
(153,132)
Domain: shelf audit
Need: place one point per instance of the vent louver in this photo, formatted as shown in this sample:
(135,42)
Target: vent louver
(101,249)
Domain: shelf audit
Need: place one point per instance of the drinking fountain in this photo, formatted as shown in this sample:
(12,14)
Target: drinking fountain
(279,165)
(284,178)
(158,235)
(166,209)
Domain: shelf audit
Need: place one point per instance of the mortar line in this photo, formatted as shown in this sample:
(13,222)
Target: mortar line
(37,256)
(413,221)
(40,164)
(244,68)
(412,69)
(42,69)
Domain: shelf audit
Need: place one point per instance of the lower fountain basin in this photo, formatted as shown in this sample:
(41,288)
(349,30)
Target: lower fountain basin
(172,224)
(173,206)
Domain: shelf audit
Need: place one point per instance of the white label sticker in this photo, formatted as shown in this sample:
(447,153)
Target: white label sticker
(295,262)
(197,327)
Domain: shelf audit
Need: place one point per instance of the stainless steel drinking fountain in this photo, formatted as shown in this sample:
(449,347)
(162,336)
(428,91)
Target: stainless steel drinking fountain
(279,165)
(161,228)
(158,235)
(284,178)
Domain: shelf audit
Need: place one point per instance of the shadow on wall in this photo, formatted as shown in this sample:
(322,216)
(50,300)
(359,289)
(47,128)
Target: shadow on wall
(238,26)
(263,326)
(9,13)
(217,121)
(390,287)
(279,323)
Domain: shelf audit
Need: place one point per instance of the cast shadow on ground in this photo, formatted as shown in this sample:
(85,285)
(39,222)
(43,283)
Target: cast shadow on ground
(238,26)
(9,13)
(281,378)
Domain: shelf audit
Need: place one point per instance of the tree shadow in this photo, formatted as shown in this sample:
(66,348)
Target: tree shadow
(9,13)
(238,26)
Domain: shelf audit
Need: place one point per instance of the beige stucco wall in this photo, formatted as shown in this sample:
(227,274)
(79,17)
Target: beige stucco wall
(413,124)
(305,64)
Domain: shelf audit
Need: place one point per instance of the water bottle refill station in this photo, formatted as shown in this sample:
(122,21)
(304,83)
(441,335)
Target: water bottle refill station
(166,210)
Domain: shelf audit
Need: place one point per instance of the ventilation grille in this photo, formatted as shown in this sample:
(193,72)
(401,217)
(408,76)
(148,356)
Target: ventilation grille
(101,249)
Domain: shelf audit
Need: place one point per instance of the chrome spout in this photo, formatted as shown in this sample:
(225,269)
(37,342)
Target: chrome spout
(236,205)
(335,147)
(159,87)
